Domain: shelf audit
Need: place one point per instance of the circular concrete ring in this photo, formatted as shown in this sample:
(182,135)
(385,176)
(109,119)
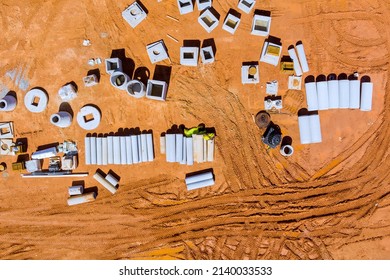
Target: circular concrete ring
(36,100)
(262,119)
(286,150)
(88,117)
(136,89)
(61,119)
(119,80)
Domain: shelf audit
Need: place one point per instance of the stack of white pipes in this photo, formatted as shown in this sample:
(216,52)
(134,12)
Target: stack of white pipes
(187,150)
(109,182)
(128,149)
(334,94)
(201,180)
(310,129)
(300,61)
(77,195)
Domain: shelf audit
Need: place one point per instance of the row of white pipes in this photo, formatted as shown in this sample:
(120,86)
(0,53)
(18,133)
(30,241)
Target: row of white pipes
(300,66)
(309,129)
(187,150)
(129,149)
(335,94)
(197,181)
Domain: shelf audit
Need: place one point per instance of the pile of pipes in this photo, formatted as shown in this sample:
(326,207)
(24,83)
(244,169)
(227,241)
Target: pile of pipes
(187,150)
(77,195)
(199,180)
(300,66)
(109,181)
(129,149)
(343,93)
(309,127)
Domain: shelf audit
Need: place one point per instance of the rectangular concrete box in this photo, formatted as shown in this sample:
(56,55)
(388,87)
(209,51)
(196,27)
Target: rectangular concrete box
(157,51)
(247,78)
(207,55)
(231,23)
(261,25)
(246,5)
(271,53)
(208,20)
(189,56)
(113,64)
(134,14)
(156,90)
(185,6)
(203,4)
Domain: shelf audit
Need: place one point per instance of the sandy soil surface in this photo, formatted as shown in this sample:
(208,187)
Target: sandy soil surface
(328,201)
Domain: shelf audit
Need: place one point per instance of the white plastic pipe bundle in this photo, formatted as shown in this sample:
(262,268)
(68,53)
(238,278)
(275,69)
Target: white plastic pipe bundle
(8,103)
(61,119)
(354,94)
(297,67)
(119,149)
(111,188)
(79,199)
(333,90)
(170,147)
(343,94)
(302,57)
(309,129)
(311,96)
(200,180)
(323,96)
(366,98)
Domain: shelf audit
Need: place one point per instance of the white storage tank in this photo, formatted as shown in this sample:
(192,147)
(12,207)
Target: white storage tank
(333,90)
(343,94)
(366,98)
(311,96)
(354,94)
(323,95)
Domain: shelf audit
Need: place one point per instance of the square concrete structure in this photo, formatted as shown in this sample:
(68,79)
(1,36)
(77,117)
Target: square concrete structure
(250,74)
(261,25)
(156,90)
(189,56)
(208,20)
(207,55)
(157,51)
(113,64)
(271,53)
(185,6)
(246,5)
(203,4)
(134,14)
(231,23)
(295,82)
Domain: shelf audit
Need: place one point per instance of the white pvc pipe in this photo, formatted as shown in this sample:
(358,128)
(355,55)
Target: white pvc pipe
(210,150)
(354,94)
(104,151)
(344,94)
(112,180)
(139,148)
(104,183)
(199,177)
(119,80)
(149,145)
(129,153)
(87,144)
(311,96)
(179,147)
(315,129)
(117,149)
(110,149)
(162,144)
(76,190)
(190,154)
(333,90)
(170,147)
(304,129)
(134,148)
(61,119)
(197,141)
(93,150)
(79,199)
(99,151)
(144,148)
(302,58)
(200,184)
(184,151)
(323,95)
(366,99)
(297,67)
(8,103)
(123,149)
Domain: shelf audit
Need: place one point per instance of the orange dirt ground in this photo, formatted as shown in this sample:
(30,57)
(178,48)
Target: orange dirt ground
(328,201)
